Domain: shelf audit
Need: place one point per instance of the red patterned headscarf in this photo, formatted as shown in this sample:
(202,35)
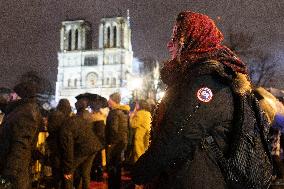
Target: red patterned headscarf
(199,40)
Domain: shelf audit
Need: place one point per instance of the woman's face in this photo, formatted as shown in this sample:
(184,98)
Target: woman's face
(173,44)
(173,48)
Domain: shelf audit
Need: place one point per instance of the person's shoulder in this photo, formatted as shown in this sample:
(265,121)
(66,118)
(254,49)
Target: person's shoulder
(29,107)
(99,123)
(55,114)
(73,120)
(124,108)
(207,67)
(120,110)
(143,113)
(204,84)
(202,89)
(209,80)
(213,68)
(113,112)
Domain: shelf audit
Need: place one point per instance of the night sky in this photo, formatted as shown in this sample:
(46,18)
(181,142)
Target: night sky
(29,35)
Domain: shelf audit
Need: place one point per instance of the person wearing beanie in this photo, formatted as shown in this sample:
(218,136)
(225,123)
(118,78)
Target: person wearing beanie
(116,138)
(208,102)
(19,135)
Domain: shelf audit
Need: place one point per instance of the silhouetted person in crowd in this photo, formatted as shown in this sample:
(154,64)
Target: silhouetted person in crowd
(116,137)
(19,135)
(99,114)
(79,146)
(56,120)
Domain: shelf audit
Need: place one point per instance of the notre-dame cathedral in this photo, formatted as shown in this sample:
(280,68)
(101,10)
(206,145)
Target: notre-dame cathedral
(81,68)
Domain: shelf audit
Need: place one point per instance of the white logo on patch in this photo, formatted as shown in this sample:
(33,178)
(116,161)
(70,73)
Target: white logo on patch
(204,94)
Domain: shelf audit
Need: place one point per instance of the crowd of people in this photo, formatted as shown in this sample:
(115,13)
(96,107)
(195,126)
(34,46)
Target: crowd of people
(208,131)
(76,142)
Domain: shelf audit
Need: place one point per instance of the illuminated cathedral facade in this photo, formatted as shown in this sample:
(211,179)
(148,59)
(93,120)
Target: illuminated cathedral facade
(81,68)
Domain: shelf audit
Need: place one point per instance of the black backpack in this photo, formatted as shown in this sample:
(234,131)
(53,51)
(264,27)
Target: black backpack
(249,164)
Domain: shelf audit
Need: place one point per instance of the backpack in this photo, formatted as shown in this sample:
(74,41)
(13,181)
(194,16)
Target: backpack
(249,164)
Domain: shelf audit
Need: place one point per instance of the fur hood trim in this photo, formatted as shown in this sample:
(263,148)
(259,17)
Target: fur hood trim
(241,84)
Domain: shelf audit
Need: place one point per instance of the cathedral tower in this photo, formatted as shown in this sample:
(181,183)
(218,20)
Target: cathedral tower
(115,33)
(75,35)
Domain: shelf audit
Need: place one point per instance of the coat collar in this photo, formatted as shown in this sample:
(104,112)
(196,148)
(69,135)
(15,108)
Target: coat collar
(14,104)
(239,82)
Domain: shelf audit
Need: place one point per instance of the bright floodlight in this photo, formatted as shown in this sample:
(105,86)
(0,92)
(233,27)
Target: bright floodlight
(135,83)
(160,95)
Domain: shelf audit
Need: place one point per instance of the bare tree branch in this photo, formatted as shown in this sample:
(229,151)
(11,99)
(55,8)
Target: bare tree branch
(261,65)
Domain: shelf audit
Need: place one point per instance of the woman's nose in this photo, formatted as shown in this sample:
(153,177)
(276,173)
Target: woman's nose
(170,44)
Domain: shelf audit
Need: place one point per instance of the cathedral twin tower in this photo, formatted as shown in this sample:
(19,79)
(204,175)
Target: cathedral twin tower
(81,68)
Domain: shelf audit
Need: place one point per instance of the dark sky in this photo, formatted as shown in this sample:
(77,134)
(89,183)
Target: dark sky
(29,36)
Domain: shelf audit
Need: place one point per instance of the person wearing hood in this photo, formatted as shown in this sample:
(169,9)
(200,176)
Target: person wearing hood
(203,78)
(56,120)
(116,138)
(19,135)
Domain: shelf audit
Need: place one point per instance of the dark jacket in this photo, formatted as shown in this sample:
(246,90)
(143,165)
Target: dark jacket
(175,158)
(77,141)
(117,125)
(55,121)
(117,131)
(99,130)
(18,138)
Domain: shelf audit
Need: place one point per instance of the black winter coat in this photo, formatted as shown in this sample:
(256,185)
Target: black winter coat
(56,120)
(18,138)
(117,131)
(99,130)
(77,141)
(175,158)
(117,127)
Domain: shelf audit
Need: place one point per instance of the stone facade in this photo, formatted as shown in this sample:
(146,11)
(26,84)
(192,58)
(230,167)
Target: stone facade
(102,71)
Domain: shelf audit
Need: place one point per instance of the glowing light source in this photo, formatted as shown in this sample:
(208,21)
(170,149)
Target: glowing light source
(160,95)
(135,84)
